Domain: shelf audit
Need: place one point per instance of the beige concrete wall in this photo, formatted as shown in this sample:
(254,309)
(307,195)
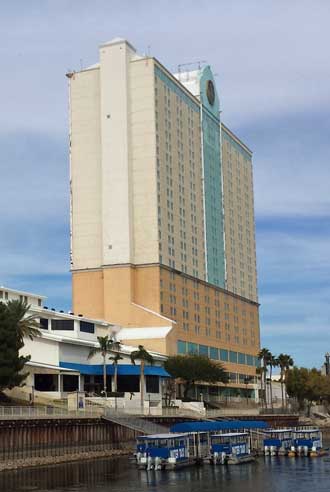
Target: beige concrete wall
(119,304)
(147,287)
(239,217)
(85,159)
(180,184)
(117,240)
(88,293)
(143,161)
(215,317)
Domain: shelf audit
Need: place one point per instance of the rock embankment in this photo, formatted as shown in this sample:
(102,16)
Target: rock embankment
(53,460)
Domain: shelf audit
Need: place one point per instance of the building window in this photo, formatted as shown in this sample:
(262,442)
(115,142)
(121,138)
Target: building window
(223,354)
(152,384)
(63,324)
(203,350)
(46,382)
(87,327)
(214,353)
(249,360)
(192,348)
(70,382)
(241,358)
(129,384)
(44,323)
(233,357)
(182,347)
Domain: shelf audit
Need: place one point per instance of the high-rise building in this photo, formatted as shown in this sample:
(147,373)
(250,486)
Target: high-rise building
(162,217)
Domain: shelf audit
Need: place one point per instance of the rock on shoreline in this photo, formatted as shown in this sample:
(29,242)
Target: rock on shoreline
(65,458)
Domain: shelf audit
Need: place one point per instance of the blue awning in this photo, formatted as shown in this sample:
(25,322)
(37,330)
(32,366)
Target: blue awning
(123,369)
(208,426)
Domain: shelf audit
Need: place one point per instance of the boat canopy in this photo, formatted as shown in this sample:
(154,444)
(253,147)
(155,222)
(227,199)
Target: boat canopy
(162,436)
(306,431)
(278,431)
(232,434)
(218,425)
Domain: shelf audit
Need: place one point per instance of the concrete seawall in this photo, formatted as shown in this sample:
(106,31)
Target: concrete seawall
(36,442)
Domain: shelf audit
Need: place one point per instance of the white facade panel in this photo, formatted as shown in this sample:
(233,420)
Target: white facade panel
(116,179)
(42,350)
(86,219)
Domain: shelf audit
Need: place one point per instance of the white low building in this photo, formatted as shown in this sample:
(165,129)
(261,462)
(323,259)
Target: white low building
(60,362)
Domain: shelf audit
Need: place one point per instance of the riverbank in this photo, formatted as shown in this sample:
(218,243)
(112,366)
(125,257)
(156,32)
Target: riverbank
(66,458)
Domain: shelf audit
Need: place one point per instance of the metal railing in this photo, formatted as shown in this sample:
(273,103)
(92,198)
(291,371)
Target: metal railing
(138,424)
(7,413)
(98,410)
(220,412)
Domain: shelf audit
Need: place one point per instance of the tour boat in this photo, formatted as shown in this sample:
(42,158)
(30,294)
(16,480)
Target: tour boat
(230,448)
(306,442)
(277,441)
(165,451)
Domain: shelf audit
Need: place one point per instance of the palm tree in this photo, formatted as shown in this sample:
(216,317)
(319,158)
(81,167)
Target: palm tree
(259,372)
(288,363)
(264,356)
(143,355)
(104,348)
(272,362)
(115,358)
(26,326)
(282,363)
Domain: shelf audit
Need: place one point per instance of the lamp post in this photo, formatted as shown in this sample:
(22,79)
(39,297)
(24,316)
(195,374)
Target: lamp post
(327,364)
(246,382)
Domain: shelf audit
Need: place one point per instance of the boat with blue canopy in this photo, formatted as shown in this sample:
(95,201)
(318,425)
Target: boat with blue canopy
(171,451)
(230,448)
(306,442)
(277,441)
(194,442)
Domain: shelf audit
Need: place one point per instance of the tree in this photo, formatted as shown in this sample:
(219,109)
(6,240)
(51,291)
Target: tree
(264,356)
(115,358)
(193,368)
(307,386)
(25,326)
(296,384)
(143,355)
(14,326)
(284,361)
(272,362)
(105,347)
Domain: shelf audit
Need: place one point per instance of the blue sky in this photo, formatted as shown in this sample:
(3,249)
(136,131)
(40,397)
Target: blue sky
(271,61)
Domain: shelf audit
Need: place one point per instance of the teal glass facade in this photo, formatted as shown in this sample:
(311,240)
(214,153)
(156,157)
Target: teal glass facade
(223,355)
(214,220)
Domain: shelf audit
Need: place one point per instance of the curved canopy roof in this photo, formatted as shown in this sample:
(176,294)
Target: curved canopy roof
(123,369)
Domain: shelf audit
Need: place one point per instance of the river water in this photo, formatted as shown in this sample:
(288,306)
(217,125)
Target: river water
(120,475)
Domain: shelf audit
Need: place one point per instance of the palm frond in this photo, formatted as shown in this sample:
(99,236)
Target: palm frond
(141,354)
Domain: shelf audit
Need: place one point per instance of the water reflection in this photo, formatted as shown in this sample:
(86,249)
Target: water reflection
(273,474)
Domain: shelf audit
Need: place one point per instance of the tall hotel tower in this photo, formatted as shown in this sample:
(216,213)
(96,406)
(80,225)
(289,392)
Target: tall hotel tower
(162,214)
